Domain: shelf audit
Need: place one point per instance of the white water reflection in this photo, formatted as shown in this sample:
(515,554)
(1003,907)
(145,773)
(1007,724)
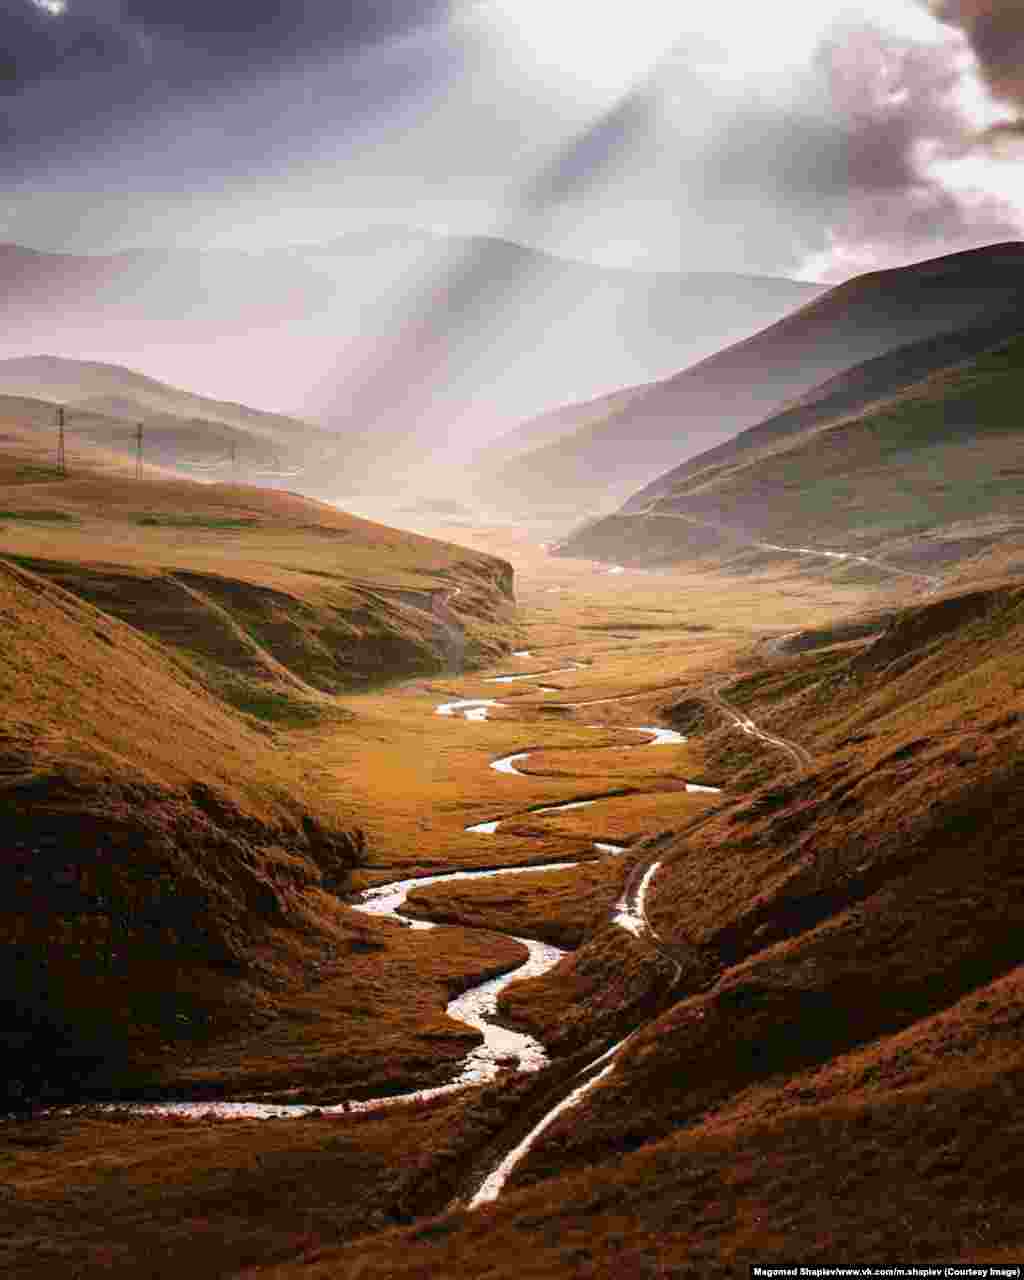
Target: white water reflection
(630,915)
(560,808)
(493,1185)
(507,764)
(532,675)
(500,1048)
(662,737)
(386,899)
(472,708)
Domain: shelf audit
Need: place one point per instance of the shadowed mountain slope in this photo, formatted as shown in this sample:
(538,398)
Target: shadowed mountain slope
(168,872)
(626,442)
(162,866)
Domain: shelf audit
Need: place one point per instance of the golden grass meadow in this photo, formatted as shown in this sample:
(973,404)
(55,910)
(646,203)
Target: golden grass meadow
(826,1010)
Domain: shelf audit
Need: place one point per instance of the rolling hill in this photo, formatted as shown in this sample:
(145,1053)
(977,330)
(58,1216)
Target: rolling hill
(844,395)
(121,392)
(925,477)
(617,445)
(104,403)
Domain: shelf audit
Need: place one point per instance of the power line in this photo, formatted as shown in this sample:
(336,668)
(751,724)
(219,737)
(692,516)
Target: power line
(62,466)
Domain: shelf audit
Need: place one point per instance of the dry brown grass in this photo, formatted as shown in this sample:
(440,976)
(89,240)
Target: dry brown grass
(927,1173)
(368,1021)
(886,896)
(167,1197)
(843,1090)
(129,834)
(263,592)
(844,1074)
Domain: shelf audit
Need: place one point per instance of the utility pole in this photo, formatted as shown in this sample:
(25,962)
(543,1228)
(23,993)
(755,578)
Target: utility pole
(62,466)
(138,452)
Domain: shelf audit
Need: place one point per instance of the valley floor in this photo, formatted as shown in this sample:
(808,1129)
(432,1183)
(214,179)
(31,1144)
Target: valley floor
(824,1057)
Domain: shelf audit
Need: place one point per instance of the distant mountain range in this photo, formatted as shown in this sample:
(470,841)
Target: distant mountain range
(594,455)
(403,342)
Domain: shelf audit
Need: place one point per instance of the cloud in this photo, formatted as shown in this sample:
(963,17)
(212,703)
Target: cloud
(995,29)
(269,33)
(42,41)
(95,69)
(850,156)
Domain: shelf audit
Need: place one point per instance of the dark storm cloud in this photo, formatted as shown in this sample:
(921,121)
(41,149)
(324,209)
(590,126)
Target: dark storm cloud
(849,151)
(36,45)
(267,33)
(995,29)
(102,65)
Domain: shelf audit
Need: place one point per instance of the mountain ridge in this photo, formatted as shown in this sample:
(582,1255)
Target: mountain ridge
(922,477)
(332,333)
(623,447)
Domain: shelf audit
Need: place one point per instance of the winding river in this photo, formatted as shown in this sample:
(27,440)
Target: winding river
(501,1047)
(477,1007)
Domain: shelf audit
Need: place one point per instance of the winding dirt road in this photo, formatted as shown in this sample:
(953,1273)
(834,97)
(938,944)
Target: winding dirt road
(800,756)
(931,581)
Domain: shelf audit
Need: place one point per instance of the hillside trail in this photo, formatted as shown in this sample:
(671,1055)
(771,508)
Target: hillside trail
(800,756)
(931,582)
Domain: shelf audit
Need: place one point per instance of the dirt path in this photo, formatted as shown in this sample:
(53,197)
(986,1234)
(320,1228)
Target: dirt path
(931,581)
(800,756)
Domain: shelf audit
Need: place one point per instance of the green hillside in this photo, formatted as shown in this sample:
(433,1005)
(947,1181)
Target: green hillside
(927,476)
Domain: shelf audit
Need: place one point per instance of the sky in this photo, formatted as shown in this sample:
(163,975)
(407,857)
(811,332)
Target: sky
(805,139)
